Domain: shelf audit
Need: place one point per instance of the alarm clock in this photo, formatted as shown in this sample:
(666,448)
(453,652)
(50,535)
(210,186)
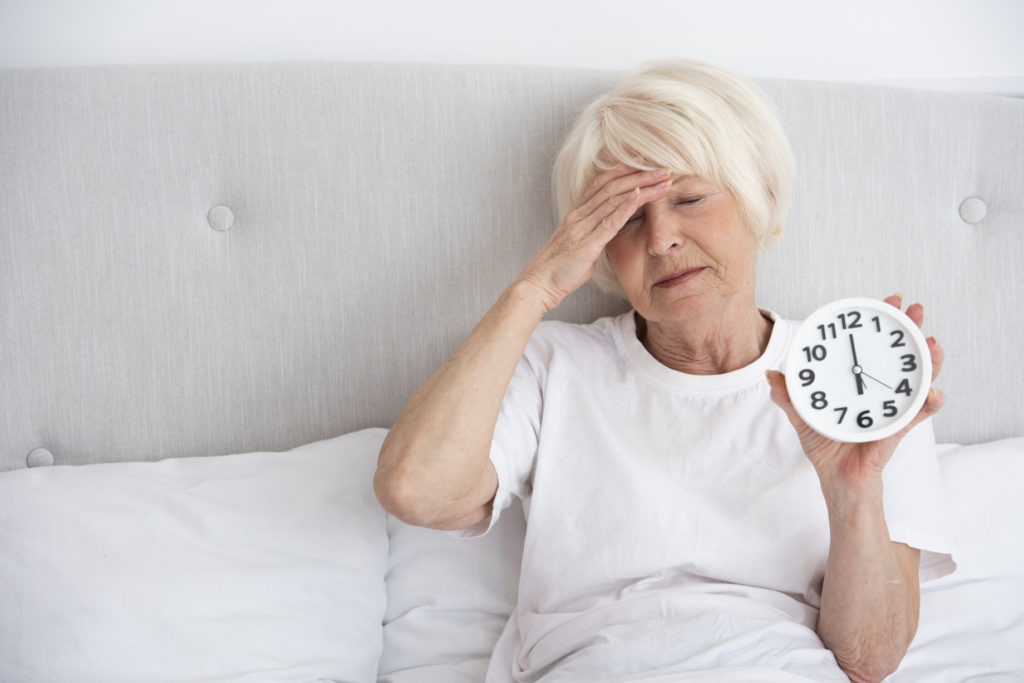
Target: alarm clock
(858,370)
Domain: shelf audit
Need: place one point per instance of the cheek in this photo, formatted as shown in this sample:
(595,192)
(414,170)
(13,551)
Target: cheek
(616,252)
(623,259)
(736,248)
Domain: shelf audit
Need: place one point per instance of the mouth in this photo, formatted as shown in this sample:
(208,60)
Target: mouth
(679,277)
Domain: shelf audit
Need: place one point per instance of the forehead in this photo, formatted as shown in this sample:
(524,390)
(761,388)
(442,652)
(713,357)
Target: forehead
(686,181)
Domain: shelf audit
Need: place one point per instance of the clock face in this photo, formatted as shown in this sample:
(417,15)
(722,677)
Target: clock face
(858,370)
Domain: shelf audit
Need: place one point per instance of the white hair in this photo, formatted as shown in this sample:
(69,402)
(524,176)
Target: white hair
(692,119)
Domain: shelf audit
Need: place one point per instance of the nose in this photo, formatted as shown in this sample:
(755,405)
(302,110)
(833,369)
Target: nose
(663,236)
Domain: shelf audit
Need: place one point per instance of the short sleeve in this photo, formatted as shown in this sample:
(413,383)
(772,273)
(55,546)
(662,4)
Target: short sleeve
(514,447)
(915,503)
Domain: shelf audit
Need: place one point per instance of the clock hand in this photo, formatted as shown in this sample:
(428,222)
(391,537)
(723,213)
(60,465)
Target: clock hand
(877,380)
(856,368)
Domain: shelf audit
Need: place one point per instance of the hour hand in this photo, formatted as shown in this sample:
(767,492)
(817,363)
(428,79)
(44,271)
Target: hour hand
(856,368)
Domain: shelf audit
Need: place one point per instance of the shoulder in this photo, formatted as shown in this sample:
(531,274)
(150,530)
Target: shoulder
(554,337)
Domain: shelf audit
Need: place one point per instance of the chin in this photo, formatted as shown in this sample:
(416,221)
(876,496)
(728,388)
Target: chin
(677,309)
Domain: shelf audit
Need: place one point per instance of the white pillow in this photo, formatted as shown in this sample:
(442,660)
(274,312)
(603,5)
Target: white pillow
(262,566)
(983,482)
(972,621)
(448,600)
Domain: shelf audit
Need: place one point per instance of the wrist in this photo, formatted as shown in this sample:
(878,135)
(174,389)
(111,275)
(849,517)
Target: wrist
(528,292)
(852,502)
(529,297)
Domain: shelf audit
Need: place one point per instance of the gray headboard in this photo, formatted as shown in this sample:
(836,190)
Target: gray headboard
(209,259)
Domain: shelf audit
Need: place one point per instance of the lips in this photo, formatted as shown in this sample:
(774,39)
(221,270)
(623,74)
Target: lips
(679,277)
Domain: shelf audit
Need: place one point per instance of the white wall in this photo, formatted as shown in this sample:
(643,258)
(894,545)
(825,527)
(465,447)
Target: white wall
(975,44)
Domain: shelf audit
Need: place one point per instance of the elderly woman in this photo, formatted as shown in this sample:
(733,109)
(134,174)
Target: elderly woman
(680,516)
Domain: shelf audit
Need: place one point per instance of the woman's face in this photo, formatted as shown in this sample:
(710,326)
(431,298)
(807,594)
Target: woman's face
(686,254)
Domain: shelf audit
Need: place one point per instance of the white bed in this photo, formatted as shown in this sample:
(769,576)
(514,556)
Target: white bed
(266,260)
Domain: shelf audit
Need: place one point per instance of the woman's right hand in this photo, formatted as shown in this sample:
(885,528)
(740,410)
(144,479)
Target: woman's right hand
(568,258)
(434,467)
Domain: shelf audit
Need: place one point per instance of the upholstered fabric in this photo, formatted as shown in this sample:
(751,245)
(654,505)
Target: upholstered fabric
(211,259)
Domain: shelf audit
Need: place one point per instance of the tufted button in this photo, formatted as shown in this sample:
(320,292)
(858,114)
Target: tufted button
(973,209)
(220,218)
(39,457)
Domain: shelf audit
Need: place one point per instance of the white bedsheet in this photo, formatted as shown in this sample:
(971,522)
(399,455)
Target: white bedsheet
(86,553)
(972,622)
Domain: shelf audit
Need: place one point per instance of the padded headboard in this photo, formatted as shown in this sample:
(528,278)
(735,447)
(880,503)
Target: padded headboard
(198,260)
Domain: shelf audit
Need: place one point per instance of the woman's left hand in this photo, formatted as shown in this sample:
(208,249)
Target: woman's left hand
(857,464)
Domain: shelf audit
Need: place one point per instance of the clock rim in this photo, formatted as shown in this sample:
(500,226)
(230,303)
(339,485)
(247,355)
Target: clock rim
(869,434)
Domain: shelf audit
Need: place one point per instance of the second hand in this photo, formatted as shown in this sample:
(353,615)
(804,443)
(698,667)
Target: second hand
(877,380)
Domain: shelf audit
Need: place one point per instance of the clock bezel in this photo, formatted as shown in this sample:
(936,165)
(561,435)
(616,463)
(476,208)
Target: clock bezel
(795,361)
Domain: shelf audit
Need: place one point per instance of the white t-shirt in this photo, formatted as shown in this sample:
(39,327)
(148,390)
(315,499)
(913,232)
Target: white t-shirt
(674,526)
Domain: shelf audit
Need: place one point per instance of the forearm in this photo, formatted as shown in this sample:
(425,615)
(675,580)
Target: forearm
(870,597)
(433,468)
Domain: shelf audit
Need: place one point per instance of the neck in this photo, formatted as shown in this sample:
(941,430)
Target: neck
(715,347)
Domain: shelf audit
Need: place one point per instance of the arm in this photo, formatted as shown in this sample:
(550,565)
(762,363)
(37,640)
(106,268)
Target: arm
(870,596)
(434,467)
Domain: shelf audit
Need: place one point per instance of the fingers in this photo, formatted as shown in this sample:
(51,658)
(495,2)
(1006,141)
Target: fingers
(933,404)
(616,174)
(611,216)
(780,395)
(611,188)
(916,313)
(568,258)
(938,355)
(605,177)
(935,399)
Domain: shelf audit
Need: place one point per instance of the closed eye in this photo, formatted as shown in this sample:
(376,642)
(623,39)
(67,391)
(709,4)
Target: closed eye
(679,202)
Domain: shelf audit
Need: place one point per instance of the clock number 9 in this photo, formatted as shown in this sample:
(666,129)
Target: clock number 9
(807,377)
